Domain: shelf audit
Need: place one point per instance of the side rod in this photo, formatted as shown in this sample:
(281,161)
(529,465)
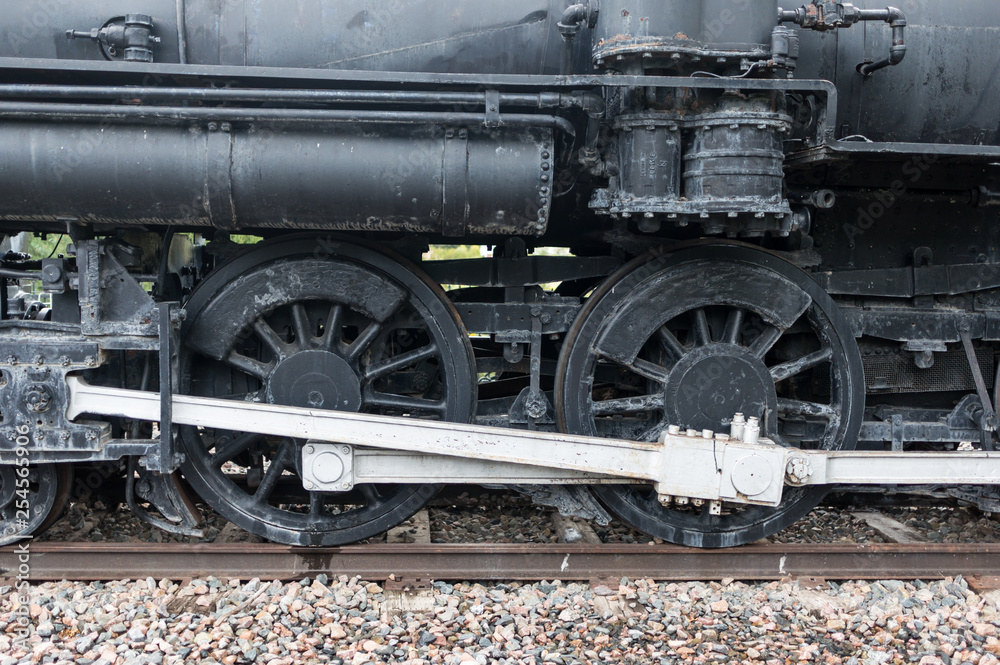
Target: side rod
(628,459)
(713,467)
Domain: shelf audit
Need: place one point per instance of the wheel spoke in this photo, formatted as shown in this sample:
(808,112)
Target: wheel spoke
(331,329)
(733,324)
(370,493)
(702,333)
(363,341)
(399,362)
(272,475)
(794,407)
(793,367)
(670,343)
(610,407)
(648,370)
(316,502)
(300,325)
(249,365)
(405,402)
(231,449)
(767,339)
(270,338)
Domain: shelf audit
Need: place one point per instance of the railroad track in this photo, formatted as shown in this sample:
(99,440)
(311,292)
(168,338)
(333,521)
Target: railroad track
(573,561)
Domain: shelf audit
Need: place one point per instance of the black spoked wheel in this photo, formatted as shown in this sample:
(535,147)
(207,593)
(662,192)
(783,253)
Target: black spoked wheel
(692,337)
(350,329)
(31,499)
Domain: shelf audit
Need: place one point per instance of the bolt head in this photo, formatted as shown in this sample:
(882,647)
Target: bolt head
(310,450)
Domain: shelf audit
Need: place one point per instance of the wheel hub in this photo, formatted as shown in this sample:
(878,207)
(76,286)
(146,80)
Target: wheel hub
(711,383)
(317,380)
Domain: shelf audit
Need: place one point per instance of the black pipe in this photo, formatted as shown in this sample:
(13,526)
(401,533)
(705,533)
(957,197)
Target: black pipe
(587,101)
(173,114)
(895,18)
(847,15)
(181,32)
(19,274)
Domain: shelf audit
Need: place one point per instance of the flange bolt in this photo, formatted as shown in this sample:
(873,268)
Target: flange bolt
(797,471)
(38,398)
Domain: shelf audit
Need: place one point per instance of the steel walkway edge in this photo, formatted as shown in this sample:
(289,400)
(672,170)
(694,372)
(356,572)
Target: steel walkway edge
(105,561)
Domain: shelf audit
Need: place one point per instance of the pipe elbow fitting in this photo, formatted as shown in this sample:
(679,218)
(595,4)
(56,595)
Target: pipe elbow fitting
(575,17)
(895,18)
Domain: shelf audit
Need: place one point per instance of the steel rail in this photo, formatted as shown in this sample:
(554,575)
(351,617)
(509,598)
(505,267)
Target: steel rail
(52,561)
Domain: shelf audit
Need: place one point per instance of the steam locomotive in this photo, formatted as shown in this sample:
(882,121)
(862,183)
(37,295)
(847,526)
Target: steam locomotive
(788,213)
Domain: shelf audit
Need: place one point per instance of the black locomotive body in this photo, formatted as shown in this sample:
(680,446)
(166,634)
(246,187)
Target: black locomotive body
(784,212)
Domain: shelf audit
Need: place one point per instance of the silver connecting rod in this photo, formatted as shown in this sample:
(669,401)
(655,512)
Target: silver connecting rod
(626,459)
(682,465)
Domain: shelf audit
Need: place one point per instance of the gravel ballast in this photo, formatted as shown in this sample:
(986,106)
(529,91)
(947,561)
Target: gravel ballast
(342,620)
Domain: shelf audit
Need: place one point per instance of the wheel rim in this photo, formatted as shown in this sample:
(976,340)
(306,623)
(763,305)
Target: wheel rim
(692,337)
(43,499)
(354,330)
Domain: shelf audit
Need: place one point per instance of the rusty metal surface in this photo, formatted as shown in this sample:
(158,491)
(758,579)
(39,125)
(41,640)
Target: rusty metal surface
(101,561)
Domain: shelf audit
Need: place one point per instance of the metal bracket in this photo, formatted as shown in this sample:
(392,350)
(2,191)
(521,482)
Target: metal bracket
(167,459)
(990,422)
(532,406)
(493,119)
(327,467)
(163,492)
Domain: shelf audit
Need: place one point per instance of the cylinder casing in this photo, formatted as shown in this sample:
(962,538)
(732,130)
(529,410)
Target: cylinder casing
(343,176)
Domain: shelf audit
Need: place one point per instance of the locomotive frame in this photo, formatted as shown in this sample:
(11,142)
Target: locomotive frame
(716,266)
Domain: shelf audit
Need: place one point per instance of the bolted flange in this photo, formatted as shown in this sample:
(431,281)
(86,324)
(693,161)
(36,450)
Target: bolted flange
(797,471)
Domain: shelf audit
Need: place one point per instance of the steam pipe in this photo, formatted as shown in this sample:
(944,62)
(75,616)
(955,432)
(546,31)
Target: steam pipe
(895,18)
(181,32)
(171,114)
(843,15)
(592,103)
